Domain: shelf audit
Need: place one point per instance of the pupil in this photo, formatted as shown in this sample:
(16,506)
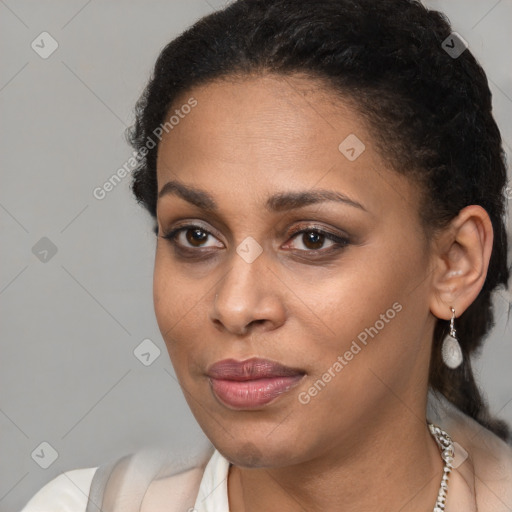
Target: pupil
(197,236)
(315,239)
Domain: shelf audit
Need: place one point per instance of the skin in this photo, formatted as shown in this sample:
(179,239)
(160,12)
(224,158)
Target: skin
(362,443)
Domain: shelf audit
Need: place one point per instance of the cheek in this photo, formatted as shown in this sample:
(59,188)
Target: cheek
(362,287)
(164,296)
(172,299)
(181,310)
(371,311)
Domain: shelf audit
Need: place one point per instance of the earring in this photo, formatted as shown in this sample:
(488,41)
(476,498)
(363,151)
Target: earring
(451,351)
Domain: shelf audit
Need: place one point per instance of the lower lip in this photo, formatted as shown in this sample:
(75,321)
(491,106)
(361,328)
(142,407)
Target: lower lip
(251,394)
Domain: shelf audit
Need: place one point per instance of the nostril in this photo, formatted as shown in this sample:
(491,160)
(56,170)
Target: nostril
(254,322)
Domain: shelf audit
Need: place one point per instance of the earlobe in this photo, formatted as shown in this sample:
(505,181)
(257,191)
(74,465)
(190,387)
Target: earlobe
(461,259)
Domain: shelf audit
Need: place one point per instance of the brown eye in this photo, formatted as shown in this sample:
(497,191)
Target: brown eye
(192,237)
(196,237)
(313,239)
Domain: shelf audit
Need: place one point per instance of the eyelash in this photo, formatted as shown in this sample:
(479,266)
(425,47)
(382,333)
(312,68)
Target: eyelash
(339,242)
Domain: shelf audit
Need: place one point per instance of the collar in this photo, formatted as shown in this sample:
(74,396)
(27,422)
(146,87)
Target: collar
(213,489)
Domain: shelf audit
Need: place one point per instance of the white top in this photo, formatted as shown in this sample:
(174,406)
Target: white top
(69,491)
(481,479)
(66,493)
(213,490)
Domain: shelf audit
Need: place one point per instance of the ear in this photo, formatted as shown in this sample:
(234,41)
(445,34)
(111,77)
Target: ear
(460,261)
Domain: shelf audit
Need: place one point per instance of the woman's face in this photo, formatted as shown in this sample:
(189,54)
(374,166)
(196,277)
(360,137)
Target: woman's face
(300,247)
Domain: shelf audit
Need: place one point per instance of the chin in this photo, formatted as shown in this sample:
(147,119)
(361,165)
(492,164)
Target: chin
(252,451)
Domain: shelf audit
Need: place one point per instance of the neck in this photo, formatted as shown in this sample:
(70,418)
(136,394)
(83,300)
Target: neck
(386,469)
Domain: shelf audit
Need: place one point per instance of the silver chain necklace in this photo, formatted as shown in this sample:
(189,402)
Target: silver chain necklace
(445,444)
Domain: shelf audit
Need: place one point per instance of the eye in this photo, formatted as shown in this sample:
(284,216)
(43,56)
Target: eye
(190,237)
(314,239)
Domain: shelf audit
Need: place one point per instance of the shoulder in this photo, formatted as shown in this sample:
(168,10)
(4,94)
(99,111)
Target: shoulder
(180,490)
(68,491)
(151,480)
(492,462)
(484,463)
(177,483)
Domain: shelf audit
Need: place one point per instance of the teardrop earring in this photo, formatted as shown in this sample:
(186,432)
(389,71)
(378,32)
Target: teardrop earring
(451,351)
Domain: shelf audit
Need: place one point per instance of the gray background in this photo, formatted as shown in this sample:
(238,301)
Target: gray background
(70,323)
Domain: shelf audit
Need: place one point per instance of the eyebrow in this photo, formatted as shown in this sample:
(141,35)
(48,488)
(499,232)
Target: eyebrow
(279,202)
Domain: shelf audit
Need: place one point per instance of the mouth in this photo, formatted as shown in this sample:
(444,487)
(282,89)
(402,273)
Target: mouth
(252,383)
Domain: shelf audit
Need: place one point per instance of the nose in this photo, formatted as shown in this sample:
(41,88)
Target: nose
(248,298)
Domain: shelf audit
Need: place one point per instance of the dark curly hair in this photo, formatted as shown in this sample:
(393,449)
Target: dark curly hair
(429,114)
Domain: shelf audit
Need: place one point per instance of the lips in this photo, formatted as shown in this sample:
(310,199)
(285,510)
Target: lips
(252,383)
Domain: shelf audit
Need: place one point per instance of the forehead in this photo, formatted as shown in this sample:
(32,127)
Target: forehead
(258,133)
(267,119)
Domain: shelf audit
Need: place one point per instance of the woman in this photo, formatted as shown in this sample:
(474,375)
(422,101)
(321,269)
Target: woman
(327,185)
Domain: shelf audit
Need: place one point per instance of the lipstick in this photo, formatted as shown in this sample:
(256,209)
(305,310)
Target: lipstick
(252,383)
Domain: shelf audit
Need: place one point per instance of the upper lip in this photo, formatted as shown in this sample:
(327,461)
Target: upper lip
(250,369)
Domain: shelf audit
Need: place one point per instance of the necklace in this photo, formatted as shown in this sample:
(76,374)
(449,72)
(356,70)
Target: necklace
(445,444)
